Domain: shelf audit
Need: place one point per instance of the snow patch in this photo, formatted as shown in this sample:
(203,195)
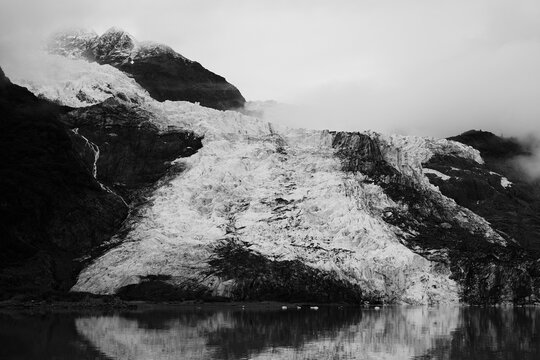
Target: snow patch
(437,173)
(505,183)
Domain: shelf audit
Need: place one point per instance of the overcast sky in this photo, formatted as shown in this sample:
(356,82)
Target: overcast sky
(422,67)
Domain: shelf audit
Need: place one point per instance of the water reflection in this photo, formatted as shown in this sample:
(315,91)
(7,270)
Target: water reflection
(50,336)
(233,333)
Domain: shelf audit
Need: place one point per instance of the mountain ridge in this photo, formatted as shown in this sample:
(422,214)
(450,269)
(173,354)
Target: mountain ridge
(165,74)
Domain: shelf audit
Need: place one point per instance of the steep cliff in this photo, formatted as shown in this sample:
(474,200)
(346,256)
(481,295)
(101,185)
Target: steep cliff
(165,74)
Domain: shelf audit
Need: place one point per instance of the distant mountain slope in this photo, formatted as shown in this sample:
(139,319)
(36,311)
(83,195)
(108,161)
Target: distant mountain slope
(499,190)
(165,74)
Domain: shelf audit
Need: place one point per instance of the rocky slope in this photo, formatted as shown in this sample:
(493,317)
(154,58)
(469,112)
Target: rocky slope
(501,191)
(53,210)
(56,208)
(263,212)
(165,74)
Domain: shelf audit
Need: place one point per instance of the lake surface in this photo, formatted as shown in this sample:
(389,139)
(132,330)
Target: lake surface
(231,332)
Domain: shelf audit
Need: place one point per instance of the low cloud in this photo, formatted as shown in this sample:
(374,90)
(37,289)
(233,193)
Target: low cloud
(494,89)
(418,67)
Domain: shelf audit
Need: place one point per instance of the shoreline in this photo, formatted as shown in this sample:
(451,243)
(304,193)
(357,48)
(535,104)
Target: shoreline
(115,304)
(133,305)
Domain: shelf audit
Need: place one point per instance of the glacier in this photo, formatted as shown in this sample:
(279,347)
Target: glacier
(263,211)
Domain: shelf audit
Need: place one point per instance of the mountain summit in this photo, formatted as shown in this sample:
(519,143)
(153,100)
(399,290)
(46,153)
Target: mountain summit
(164,73)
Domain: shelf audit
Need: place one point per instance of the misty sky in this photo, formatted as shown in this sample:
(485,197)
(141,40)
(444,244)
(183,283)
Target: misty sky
(423,67)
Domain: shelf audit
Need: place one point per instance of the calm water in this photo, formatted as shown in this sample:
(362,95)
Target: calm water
(233,333)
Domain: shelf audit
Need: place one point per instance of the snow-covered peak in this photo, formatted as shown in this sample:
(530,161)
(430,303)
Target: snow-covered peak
(74,82)
(72,42)
(114,46)
(115,34)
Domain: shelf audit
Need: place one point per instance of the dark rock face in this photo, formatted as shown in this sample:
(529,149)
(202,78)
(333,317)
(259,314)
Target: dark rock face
(165,74)
(133,153)
(491,145)
(513,210)
(488,272)
(52,209)
(167,77)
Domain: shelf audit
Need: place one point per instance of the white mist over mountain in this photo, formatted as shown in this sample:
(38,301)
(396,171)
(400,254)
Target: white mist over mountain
(417,67)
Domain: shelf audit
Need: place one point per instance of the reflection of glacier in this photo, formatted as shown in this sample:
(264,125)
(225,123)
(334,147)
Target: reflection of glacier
(393,333)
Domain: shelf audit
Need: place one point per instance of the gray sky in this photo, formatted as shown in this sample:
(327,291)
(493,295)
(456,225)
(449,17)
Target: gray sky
(423,67)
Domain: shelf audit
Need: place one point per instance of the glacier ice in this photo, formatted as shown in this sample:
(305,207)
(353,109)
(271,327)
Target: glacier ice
(278,191)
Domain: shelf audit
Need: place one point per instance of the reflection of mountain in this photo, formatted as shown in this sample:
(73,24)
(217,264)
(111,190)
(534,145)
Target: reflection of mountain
(418,333)
(43,337)
(508,333)
(166,74)
(395,333)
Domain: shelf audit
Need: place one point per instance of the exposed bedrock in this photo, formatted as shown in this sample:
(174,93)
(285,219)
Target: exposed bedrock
(167,77)
(499,190)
